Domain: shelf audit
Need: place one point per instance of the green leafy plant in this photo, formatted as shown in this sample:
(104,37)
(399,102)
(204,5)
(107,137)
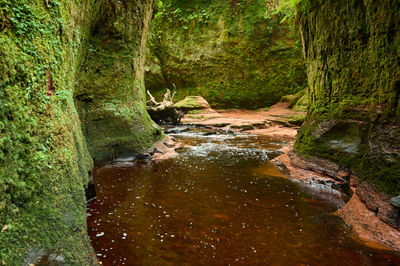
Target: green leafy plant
(288,8)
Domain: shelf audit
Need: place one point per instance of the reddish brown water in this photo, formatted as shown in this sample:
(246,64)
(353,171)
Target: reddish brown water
(219,203)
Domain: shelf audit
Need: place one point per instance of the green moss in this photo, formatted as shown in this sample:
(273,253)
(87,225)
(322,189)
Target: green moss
(234,54)
(192,103)
(352,71)
(110,92)
(297,119)
(195,112)
(301,105)
(380,170)
(44,158)
(288,98)
(44,161)
(297,97)
(195,116)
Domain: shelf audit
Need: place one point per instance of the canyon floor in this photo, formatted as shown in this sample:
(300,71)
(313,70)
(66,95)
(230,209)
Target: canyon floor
(277,120)
(281,122)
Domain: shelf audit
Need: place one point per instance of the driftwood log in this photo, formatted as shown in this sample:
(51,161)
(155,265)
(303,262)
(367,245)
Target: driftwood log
(164,112)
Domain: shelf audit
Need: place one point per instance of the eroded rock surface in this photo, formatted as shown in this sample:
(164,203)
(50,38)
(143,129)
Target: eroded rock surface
(373,220)
(191,103)
(235,54)
(353,75)
(58,59)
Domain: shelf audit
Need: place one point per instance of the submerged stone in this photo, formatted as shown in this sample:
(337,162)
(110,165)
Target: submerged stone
(395,201)
(188,210)
(177,130)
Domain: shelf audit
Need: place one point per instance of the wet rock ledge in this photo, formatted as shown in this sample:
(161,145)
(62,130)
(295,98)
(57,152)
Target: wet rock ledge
(374,220)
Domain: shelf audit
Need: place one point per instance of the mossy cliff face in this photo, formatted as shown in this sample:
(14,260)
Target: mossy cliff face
(44,158)
(110,94)
(233,53)
(352,54)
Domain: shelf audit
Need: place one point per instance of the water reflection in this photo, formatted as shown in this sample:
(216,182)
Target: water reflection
(220,203)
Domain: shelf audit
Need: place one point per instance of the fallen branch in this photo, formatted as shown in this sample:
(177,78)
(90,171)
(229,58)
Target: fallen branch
(164,112)
(151,98)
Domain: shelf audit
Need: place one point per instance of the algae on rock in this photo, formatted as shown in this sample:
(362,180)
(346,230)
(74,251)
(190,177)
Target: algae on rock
(232,53)
(44,160)
(352,55)
(192,103)
(110,94)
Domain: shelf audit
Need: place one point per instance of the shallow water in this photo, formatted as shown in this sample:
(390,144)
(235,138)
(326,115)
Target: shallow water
(219,203)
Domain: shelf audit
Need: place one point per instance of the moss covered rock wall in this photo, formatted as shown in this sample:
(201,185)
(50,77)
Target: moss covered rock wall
(233,53)
(110,93)
(44,158)
(352,53)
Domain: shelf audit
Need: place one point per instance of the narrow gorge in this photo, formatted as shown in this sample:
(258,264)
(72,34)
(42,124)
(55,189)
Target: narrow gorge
(287,151)
(72,89)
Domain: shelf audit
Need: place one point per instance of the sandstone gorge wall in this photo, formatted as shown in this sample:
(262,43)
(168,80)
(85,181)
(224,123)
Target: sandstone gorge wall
(233,53)
(57,57)
(110,92)
(352,54)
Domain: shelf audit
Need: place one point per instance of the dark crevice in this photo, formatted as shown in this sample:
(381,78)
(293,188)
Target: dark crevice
(90,191)
(396,88)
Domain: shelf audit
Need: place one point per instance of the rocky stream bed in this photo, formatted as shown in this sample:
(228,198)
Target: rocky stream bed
(219,201)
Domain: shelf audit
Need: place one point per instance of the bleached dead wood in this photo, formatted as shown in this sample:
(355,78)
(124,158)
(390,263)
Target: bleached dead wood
(164,112)
(166,103)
